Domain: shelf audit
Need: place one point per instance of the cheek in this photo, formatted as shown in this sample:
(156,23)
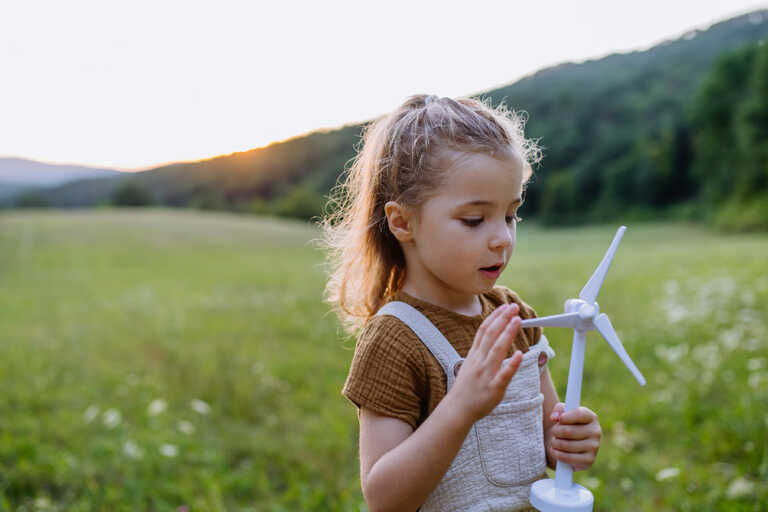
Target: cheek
(458,243)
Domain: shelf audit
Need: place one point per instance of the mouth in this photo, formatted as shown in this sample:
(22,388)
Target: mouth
(493,271)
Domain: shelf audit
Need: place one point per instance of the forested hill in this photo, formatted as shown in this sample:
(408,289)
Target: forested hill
(621,132)
(625,136)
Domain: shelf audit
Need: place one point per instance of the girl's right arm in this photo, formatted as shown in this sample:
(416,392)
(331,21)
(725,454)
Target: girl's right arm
(400,467)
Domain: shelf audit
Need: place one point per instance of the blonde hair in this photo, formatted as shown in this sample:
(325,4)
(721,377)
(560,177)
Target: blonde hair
(399,162)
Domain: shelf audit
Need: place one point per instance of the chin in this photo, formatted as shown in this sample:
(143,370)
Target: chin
(487,288)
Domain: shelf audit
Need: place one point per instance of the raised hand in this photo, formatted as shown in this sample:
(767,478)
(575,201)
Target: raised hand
(485,374)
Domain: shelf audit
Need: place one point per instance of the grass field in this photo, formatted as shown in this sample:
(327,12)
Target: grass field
(179,360)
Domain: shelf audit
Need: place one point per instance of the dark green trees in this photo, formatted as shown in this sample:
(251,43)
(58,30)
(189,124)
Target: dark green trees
(131,193)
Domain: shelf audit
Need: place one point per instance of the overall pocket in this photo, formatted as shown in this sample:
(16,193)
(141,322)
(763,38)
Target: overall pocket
(510,442)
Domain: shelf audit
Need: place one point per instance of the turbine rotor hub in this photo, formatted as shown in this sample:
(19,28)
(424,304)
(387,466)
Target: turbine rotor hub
(587,311)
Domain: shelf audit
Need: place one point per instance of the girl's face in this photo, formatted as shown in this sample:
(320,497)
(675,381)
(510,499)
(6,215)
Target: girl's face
(469,225)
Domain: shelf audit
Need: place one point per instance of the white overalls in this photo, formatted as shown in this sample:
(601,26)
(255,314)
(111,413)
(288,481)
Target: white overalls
(503,454)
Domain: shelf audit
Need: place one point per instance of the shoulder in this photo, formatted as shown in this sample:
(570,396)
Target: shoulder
(389,338)
(379,327)
(502,295)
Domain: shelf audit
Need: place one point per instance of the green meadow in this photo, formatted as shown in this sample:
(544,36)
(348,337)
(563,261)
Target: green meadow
(179,360)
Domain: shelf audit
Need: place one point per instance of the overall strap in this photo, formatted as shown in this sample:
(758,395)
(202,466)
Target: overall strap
(430,335)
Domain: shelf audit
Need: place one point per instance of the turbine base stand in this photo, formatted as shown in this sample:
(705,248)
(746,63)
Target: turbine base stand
(547,498)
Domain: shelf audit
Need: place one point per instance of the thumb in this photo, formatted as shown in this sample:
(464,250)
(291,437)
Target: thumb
(557,411)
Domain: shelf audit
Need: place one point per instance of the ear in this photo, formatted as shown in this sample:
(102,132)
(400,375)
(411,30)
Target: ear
(400,225)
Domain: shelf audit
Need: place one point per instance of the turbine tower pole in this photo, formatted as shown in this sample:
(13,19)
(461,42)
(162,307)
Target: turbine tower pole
(564,471)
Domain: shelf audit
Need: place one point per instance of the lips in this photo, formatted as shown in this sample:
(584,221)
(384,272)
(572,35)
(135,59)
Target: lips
(492,272)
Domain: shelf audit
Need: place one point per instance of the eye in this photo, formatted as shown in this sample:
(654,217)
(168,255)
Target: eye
(474,222)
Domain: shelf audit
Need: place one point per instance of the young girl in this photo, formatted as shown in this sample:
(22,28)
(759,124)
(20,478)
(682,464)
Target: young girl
(456,406)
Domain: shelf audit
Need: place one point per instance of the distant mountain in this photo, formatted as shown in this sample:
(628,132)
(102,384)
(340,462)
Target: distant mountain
(20,175)
(20,171)
(8,190)
(616,134)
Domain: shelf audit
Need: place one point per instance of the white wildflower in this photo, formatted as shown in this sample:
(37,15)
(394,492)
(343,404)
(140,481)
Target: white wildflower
(755,364)
(157,406)
(671,354)
(185,427)
(90,413)
(740,487)
(730,339)
(754,380)
(667,473)
(132,450)
(662,396)
(621,437)
(42,502)
(169,450)
(708,355)
(591,481)
(749,317)
(199,406)
(626,484)
(111,418)
(677,313)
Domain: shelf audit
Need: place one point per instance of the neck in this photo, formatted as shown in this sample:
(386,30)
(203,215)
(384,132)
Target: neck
(461,303)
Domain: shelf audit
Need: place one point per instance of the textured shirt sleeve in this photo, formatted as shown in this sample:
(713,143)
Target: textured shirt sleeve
(387,371)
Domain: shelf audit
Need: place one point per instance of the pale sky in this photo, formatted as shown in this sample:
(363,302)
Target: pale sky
(137,83)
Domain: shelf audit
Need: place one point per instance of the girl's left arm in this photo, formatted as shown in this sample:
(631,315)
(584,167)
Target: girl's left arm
(572,437)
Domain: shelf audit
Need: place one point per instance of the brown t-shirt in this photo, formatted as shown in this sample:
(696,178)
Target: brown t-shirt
(395,374)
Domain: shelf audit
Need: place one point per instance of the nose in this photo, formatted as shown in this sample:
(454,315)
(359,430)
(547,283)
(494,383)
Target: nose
(502,237)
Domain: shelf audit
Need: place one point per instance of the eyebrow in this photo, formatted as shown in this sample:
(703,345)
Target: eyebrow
(481,202)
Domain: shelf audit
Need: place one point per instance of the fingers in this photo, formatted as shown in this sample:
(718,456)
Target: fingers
(508,370)
(576,437)
(500,347)
(578,416)
(579,461)
(495,327)
(557,411)
(576,432)
(479,335)
(590,445)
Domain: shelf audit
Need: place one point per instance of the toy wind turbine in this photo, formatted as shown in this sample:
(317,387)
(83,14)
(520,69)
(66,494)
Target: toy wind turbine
(581,315)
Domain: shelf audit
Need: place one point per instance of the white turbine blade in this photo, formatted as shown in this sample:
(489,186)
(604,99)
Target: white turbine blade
(603,324)
(592,288)
(571,320)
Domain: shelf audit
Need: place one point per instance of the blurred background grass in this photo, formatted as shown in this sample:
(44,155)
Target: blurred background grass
(160,359)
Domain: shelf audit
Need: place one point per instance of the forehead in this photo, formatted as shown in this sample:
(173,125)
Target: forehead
(480,177)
